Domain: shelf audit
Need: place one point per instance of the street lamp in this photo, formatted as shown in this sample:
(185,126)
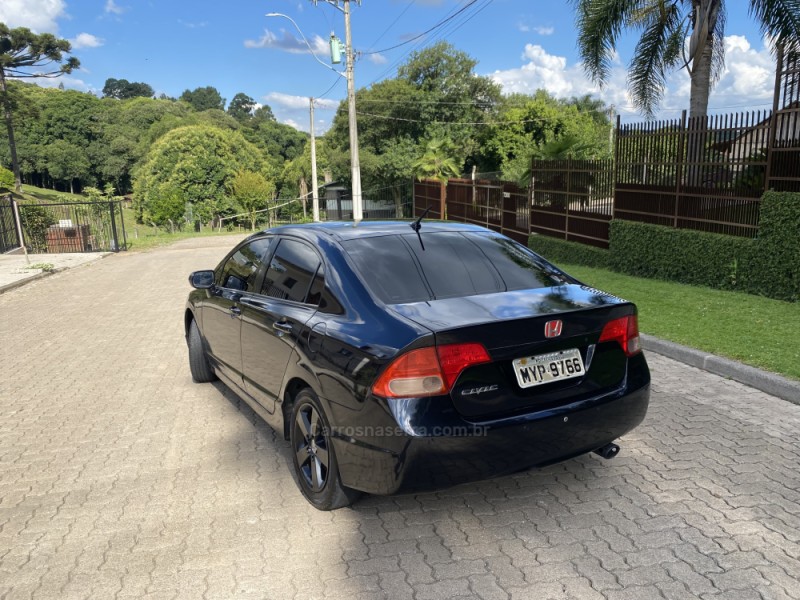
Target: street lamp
(355,165)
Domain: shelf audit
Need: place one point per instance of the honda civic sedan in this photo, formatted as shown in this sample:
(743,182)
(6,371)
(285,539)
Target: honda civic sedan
(397,357)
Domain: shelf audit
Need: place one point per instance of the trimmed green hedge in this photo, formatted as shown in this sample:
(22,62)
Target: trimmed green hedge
(775,269)
(768,265)
(573,253)
(683,255)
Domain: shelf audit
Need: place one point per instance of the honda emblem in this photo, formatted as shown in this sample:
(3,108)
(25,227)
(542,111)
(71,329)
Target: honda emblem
(552,329)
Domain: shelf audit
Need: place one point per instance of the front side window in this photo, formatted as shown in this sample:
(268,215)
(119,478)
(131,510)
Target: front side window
(241,269)
(291,271)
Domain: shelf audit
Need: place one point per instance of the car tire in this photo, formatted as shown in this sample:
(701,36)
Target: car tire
(198,360)
(313,457)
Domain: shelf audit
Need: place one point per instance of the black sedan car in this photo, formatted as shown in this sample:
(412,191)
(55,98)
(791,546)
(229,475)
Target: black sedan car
(397,358)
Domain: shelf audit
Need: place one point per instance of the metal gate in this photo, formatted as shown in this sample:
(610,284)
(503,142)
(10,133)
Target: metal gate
(73,227)
(9,236)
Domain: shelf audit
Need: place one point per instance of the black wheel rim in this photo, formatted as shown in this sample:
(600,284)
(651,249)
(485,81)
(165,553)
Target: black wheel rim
(311,448)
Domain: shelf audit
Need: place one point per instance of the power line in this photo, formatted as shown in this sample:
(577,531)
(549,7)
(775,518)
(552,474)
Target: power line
(389,118)
(394,65)
(427,31)
(392,24)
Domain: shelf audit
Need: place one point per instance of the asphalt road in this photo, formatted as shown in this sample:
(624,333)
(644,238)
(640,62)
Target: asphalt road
(120,478)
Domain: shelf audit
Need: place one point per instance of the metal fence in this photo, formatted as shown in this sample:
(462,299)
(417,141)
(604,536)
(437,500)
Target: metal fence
(572,199)
(705,173)
(73,227)
(9,236)
(500,206)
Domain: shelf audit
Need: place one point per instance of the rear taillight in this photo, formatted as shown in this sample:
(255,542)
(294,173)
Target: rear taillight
(428,371)
(625,331)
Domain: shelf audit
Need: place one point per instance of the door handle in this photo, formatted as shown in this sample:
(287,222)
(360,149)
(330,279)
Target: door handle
(282,326)
(235,311)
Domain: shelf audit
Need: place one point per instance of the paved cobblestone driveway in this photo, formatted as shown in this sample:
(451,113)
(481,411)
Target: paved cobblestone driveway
(119,478)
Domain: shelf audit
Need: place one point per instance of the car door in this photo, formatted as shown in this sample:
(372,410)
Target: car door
(274,321)
(221,320)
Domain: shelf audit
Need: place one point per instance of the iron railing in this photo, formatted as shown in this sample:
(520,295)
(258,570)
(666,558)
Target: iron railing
(73,227)
(9,236)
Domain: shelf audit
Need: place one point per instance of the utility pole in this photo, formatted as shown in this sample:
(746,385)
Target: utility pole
(314,186)
(358,212)
(351,107)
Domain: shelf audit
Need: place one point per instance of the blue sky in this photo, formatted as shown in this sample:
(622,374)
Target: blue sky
(524,45)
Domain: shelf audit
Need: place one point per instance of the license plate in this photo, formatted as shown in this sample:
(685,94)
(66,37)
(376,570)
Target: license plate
(545,368)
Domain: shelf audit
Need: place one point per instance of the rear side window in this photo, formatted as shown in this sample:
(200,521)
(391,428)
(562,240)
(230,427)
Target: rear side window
(388,269)
(519,268)
(452,265)
(241,269)
(290,271)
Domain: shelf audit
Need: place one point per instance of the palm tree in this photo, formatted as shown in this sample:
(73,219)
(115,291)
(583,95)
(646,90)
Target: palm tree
(664,26)
(437,163)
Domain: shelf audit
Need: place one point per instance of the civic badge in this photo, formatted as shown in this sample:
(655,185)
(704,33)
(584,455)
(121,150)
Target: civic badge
(552,329)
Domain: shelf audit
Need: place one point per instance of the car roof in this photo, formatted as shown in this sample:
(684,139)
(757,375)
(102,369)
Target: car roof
(348,230)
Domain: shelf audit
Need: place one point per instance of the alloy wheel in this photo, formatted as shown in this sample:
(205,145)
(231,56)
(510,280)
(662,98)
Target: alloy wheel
(311,448)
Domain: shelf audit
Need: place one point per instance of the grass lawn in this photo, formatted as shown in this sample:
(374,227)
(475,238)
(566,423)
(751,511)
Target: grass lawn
(761,332)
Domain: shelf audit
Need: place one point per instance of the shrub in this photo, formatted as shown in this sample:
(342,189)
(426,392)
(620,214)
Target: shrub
(775,269)
(35,221)
(683,255)
(6,180)
(562,251)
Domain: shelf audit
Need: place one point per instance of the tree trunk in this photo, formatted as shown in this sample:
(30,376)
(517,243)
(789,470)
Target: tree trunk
(304,194)
(71,186)
(398,205)
(253,222)
(698,100)
(12,144)
(442,200)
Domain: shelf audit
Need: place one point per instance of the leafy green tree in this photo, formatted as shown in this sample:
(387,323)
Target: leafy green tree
(241,107)
(166,207)
(24,54)
(66,162)
(200,161)
(122,89)
(263,113)
(664,25)
(437,163)
(6,179)
(526,124)
(253,193)
(204,98)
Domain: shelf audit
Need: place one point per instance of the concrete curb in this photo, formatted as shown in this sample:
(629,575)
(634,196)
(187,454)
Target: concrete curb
(761,380)
(19,283)
(15,284)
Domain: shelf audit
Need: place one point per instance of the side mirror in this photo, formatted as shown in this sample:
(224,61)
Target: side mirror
(202,280)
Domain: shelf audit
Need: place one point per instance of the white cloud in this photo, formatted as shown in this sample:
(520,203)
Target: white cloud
(378,59)
(70,83)
(747,80)
(86,40)
(298,102)
(293,110)
(113,8)
(38,15)
(289,43)
(541,30)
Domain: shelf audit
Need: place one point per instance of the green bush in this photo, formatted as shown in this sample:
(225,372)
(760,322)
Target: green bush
(35,221)
(6,180)
(561,251)
(683,255)
(776,261)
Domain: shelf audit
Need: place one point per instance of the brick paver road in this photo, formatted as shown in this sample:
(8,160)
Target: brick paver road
(120,478)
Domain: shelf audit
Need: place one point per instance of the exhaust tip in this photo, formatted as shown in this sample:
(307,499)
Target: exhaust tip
(608,451)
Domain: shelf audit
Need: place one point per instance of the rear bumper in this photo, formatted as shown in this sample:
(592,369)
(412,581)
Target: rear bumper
(419,456)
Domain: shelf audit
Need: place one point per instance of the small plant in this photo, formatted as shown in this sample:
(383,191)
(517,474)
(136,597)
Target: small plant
(46,267)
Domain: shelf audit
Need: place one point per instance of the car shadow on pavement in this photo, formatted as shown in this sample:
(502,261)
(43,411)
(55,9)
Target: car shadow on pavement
(510,531)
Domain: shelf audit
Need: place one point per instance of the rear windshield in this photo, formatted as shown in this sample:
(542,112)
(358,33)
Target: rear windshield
(453,264)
